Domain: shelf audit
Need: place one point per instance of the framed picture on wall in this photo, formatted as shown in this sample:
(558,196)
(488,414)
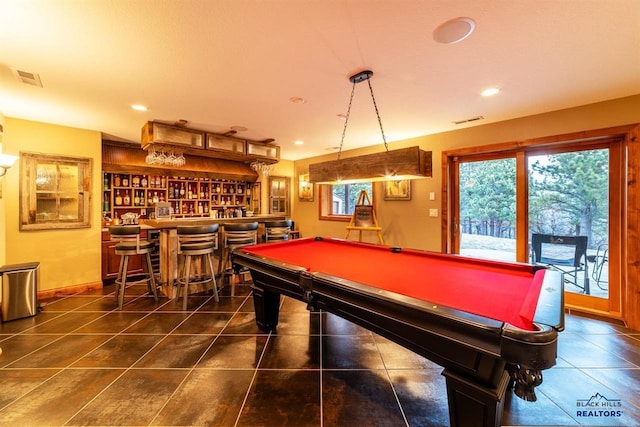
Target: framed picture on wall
(398,189)
(305,191)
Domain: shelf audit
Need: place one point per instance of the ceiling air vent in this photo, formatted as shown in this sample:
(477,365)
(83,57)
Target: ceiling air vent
(27,77)
(472,119)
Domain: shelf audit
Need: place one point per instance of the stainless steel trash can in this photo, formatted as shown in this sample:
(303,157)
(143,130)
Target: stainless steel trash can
(19,290)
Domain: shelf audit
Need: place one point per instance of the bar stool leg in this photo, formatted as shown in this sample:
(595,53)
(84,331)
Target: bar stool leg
(213,277)
(123,282)
(152,279)
(187,268)
(118,281)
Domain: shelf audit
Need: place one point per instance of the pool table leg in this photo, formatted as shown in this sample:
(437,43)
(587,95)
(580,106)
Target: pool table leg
(471,404)
(267,308)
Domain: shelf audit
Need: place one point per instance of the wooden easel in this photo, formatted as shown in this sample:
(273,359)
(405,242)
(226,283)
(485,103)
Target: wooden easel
(364,218)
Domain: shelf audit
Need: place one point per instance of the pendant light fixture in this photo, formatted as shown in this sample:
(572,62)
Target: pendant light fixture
(405,163)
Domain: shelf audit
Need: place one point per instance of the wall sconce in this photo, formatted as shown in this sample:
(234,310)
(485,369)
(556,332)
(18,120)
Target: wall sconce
(6,161)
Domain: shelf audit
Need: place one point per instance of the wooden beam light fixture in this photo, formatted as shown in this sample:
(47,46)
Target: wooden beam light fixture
(404,163)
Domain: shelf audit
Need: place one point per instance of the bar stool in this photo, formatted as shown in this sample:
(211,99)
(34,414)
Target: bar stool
(276,231)
(237,235)
(197,241)
(129,244)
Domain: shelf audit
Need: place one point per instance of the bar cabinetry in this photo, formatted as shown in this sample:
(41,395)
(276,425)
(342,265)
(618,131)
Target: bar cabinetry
(188,196)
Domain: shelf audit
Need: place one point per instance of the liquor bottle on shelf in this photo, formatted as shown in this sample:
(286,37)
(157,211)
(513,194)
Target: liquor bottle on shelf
(189,192)
(135,181)
(106,181)
(155,197)
(118,200)
(116,181)
(144,181)
(182,191)
(136,198)
(200,208)
(105,206)
(125,181)
(162,181)
(127,199)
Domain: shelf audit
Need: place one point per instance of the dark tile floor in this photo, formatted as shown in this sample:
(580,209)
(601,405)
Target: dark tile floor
(82,362)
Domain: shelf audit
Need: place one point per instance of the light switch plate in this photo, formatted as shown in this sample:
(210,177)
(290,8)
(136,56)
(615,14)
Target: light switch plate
(433,212)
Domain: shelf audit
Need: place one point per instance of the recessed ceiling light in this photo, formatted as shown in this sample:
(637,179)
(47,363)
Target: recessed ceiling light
(297,100)
(139,107)
(342,116)
(298,142)
(490,92)
(454,30)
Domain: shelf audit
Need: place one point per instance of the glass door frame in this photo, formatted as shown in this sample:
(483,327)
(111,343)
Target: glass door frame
(521,150)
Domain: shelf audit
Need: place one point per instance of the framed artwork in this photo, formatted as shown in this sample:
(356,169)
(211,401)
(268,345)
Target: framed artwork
(305,192)
(399,189)
(363,216)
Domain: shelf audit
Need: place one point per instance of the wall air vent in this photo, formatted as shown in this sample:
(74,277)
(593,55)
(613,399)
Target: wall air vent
(26,77)
(472,119)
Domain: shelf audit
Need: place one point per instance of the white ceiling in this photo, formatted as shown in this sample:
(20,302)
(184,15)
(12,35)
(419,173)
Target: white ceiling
(223,63)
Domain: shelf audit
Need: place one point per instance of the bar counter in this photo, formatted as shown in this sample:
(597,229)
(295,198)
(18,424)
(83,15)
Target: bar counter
(169,242)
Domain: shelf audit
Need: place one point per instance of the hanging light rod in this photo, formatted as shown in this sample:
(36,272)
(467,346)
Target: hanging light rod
(405,163)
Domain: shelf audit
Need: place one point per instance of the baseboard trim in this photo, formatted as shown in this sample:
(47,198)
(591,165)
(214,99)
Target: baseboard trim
(69,290)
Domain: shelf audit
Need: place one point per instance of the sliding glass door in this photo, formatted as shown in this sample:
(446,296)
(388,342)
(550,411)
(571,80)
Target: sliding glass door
(487,194)
(554,204)
(569,196)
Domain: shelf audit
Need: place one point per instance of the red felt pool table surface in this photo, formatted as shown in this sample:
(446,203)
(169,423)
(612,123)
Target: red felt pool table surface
(507,292)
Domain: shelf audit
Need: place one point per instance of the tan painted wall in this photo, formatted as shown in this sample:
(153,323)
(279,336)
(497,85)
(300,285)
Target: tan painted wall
(67,257)
(3,245)
(407,223)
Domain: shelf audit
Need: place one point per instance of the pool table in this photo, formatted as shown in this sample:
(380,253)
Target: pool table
(491,325)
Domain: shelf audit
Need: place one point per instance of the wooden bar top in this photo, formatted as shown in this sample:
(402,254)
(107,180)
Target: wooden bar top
(175,222)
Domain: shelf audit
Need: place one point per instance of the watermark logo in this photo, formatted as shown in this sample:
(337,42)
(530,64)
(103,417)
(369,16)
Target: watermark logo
(599,406)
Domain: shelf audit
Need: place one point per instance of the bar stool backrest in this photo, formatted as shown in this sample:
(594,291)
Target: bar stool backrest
(241,234)
(194,237)
(126,236)
(277,230)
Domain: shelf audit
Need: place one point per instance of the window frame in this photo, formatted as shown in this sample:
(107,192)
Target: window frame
(325,201)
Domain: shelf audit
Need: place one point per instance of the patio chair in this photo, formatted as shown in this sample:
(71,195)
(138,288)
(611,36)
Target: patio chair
(567,254)
(600,258)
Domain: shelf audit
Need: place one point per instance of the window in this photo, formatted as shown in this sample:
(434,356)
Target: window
(55,192)
(339,200)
